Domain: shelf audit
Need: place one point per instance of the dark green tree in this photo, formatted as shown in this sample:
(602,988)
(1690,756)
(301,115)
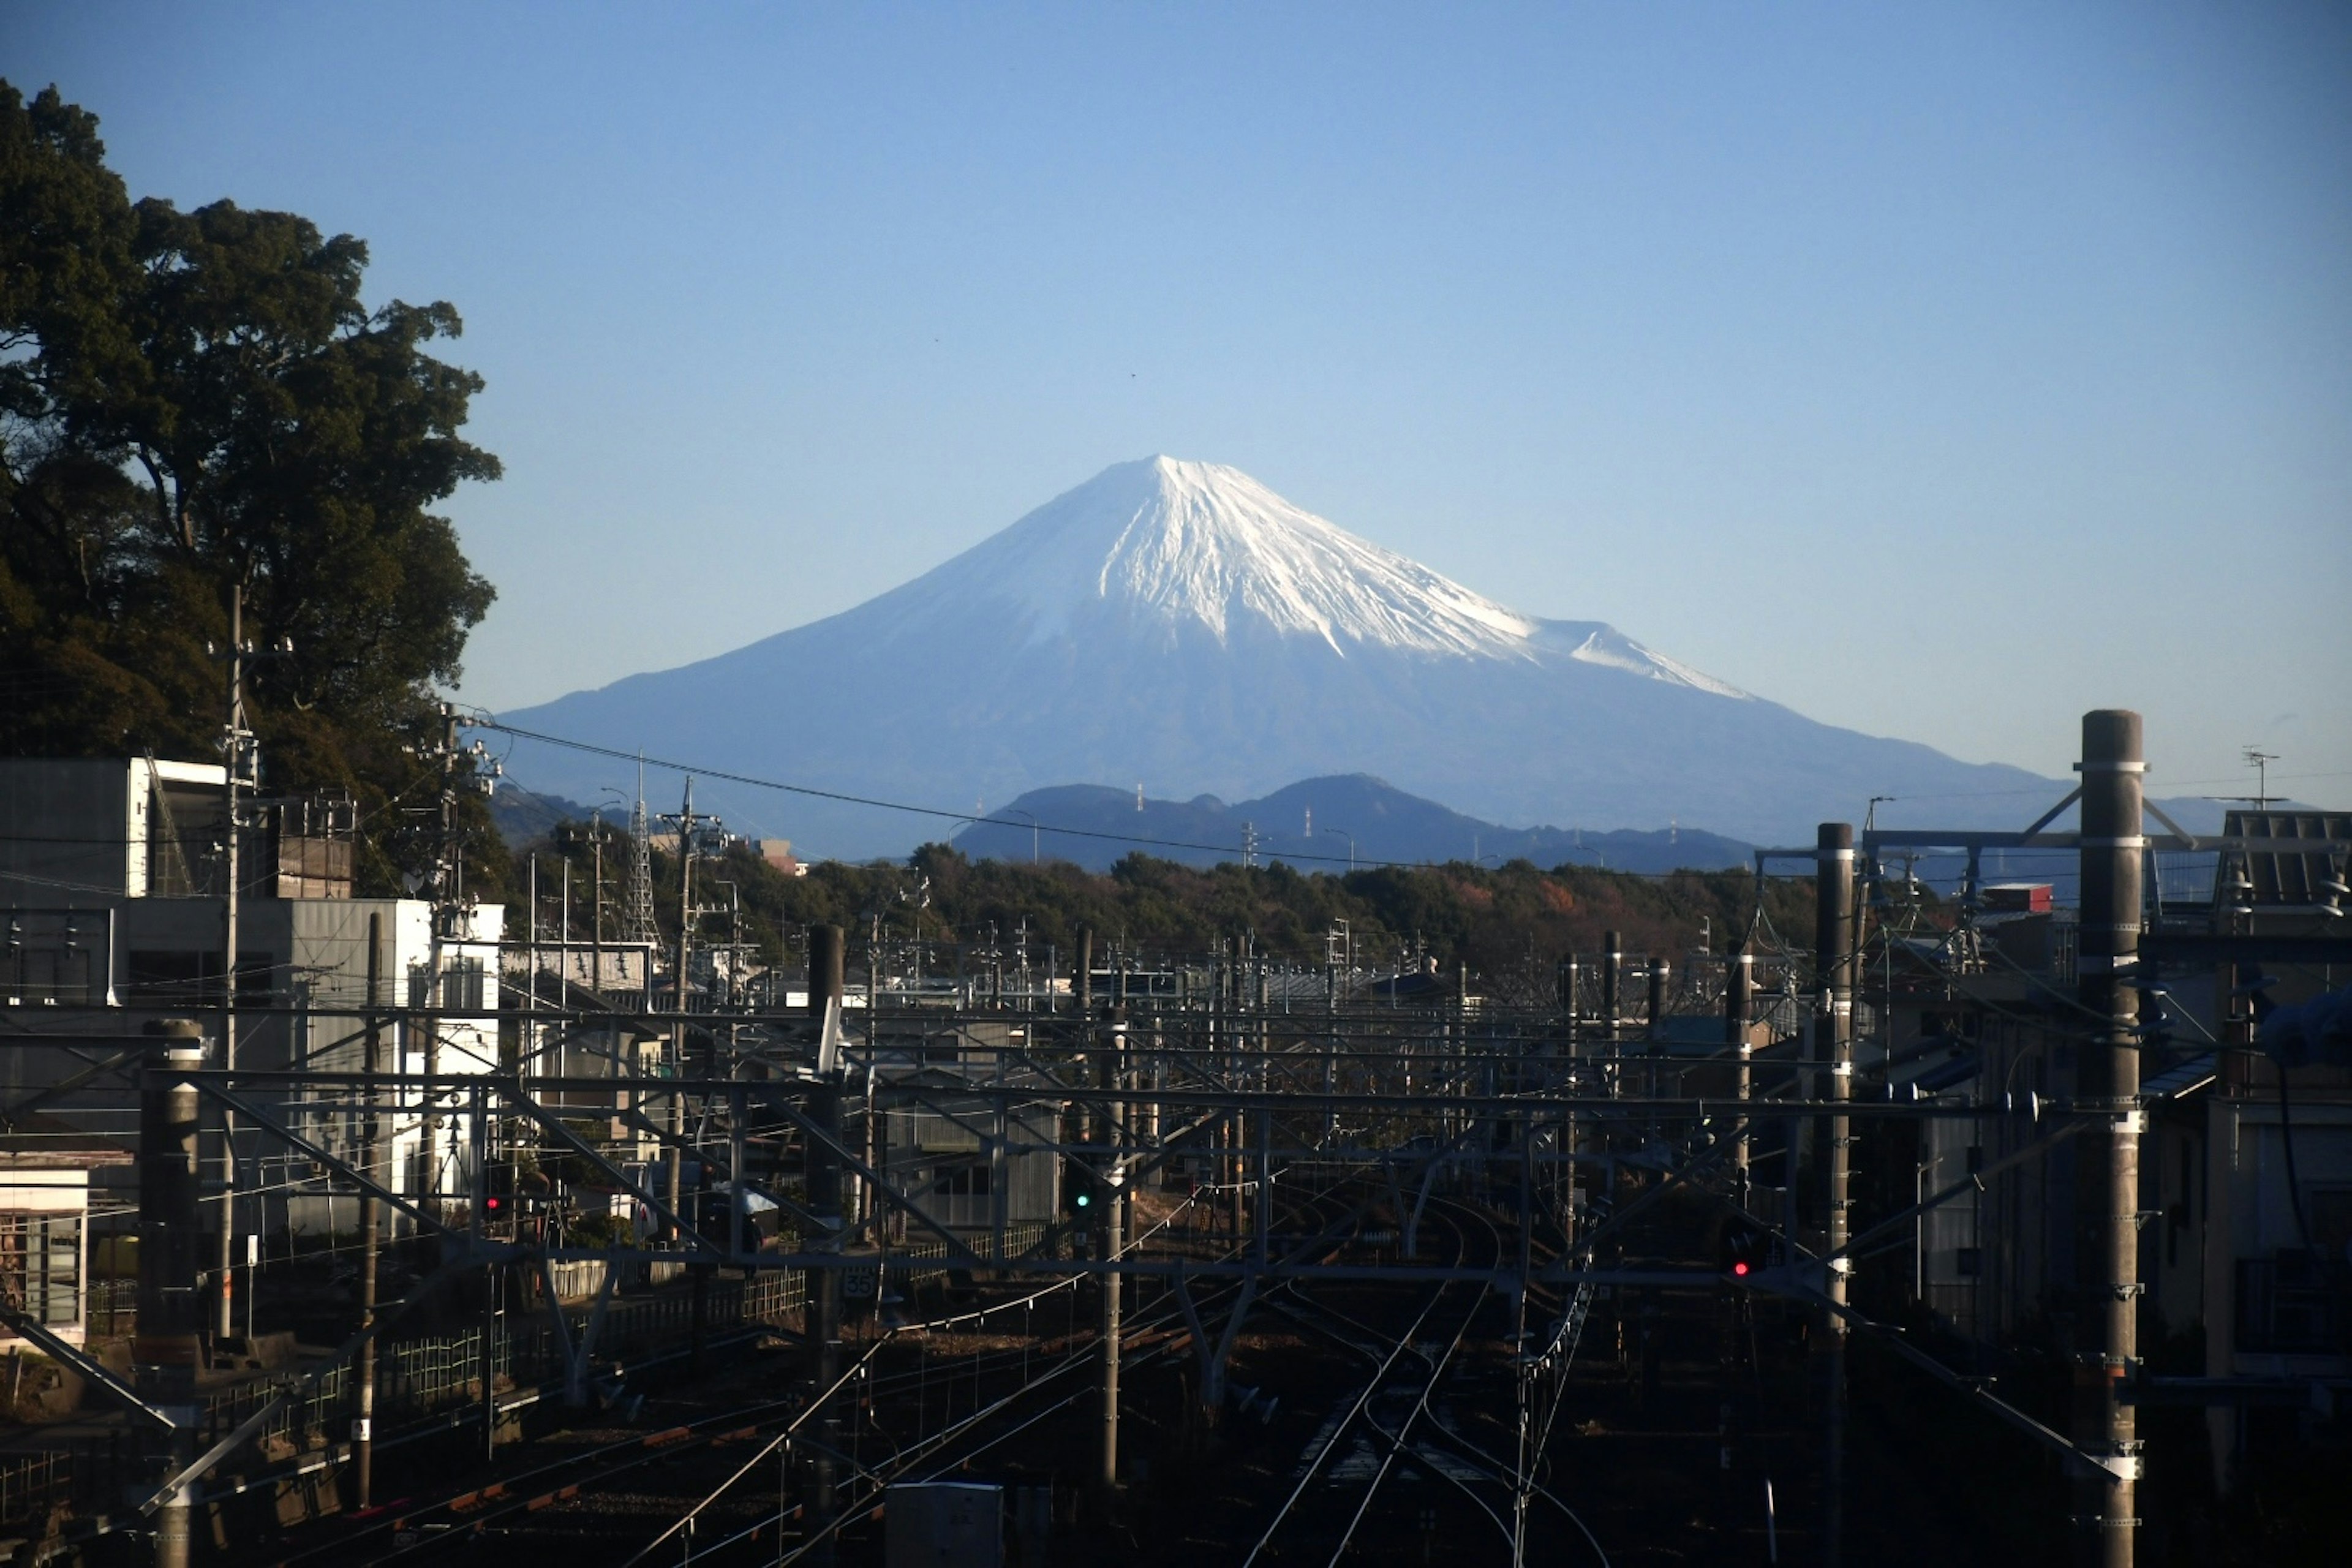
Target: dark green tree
(197,403)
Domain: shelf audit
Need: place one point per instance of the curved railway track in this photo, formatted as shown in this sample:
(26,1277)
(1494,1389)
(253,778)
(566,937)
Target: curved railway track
(479,1516)
(1408,1350)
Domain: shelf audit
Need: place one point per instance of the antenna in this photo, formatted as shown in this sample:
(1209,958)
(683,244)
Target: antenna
(1139,797)
(2260,761)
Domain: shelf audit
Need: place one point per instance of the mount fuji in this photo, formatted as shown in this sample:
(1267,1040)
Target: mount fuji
(1178,624)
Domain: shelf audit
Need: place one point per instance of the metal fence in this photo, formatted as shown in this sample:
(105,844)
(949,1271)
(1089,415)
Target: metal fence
(424,1377)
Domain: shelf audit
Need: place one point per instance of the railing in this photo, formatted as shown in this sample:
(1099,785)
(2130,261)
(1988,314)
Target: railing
(87,1476)
(32,1482)
(112,1310)
(421,1377)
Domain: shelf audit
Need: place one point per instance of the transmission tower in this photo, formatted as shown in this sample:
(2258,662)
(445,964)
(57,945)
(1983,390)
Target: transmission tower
(637,911)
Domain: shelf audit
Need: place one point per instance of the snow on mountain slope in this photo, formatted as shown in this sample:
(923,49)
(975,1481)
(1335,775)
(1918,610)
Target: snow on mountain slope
(1181,625)
(1168,545)
(1168,542)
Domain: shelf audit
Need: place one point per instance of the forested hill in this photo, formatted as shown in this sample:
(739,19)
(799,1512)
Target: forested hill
(1513,920)
(1326,822)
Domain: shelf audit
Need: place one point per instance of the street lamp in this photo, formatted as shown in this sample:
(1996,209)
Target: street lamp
(1351,845)
(1016,811)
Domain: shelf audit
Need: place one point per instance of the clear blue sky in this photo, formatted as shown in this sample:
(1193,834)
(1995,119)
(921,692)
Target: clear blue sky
(1940,371)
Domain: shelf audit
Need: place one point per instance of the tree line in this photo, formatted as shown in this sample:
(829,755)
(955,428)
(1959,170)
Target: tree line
(1510,924)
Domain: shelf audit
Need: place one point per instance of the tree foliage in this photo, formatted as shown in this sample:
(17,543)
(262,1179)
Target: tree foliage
(195,403)
(1510,924)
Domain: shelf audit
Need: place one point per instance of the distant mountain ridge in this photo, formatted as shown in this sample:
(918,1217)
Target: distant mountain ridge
(1181,625)
(1314,825)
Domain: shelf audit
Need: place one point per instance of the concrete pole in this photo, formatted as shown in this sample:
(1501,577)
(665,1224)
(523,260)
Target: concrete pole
(1613,1009)
(1661,976)
(1568,1127)
(674,1160)
(233,753)
(371,1233)
(169,1344)
(1738,1003)
(826,988)
(1833,961)
(1229,1003)
(2106,1193)
(1113,1077)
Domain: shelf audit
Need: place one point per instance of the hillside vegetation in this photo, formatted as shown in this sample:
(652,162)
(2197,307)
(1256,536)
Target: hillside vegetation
(1514,919)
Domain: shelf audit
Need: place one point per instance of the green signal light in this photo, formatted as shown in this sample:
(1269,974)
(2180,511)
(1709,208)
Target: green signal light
(1085,1198)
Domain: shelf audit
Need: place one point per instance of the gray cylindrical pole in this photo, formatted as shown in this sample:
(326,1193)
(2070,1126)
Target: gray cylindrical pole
(170,1345)
(1612,979)
(826,989)
(1661,975)
(1833,964)
(223,1298)
(370,1234)
(1114,1242)
(2106,1193)
(1738,1003)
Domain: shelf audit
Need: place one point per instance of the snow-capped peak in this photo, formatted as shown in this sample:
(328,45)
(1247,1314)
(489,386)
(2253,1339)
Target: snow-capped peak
(1176,544)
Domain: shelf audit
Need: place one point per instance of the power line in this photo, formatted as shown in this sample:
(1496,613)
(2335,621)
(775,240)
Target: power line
(699,771)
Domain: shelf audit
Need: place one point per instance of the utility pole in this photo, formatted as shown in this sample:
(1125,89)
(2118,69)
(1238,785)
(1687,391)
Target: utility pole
(170,1343)
(1114,1242)
(371,1227)
(448,890)
(1738,993)
(236,748)
(1833,956)
(825,995)
(674,1163)
(2107,1191)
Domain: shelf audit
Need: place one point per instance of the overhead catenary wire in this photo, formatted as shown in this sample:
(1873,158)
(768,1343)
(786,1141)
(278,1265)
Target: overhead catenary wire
(488,722)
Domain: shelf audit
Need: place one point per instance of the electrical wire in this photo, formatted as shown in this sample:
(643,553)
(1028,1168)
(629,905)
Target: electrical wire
(488,722)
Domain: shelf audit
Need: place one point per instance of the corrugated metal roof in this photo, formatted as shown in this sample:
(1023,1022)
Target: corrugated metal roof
(2287,878)
(2186,1078)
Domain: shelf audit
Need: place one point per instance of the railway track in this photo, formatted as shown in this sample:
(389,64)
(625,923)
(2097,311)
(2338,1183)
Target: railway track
(1394,1418)
(544,1505)
(1405,1375)
(713,1487)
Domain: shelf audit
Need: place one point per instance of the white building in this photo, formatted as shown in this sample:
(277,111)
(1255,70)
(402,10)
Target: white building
(111,872)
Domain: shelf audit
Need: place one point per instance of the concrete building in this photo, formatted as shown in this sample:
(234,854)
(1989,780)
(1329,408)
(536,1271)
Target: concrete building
(112,873)
(2245,1165)
(45,1212)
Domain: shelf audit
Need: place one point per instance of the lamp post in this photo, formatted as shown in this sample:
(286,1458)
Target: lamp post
(1351,845)
(1033,833)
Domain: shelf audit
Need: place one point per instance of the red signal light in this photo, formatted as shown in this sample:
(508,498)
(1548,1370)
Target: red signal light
(1740,1267)
(494,1205)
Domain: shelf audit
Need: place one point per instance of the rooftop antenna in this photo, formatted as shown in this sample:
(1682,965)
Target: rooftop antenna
(2260,761)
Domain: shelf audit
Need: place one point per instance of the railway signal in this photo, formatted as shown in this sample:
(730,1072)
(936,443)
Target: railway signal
(1744,1249)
